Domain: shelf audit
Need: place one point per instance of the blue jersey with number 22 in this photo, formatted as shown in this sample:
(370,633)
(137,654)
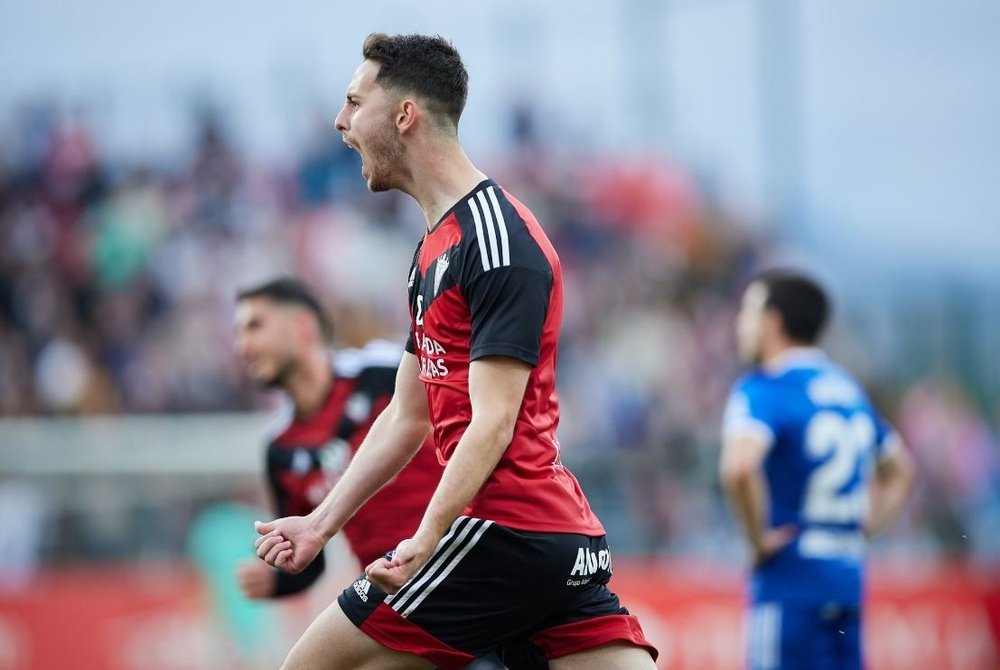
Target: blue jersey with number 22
(824,439)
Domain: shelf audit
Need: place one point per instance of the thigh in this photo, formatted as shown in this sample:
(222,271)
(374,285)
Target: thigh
(793,636)
(772,636)
(487,586)
(844,623)
(332,642)
(618,655)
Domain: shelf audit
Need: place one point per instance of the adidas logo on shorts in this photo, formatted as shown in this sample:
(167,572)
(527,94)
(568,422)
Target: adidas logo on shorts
(361,588)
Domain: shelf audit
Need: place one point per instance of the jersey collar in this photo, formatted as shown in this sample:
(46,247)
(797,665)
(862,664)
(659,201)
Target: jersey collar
(481,185)
(795,357)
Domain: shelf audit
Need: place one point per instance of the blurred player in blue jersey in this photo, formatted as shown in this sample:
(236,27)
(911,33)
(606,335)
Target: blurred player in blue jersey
(812,471)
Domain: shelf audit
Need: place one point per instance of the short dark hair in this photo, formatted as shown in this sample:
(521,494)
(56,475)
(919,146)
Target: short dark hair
(426,65)
(290,291)
(801,302)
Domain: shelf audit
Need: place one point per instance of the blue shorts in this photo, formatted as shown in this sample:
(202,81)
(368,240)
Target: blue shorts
(804,636)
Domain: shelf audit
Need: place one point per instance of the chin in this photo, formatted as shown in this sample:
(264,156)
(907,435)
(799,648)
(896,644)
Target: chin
(272,384)
(265,380)
(379,184)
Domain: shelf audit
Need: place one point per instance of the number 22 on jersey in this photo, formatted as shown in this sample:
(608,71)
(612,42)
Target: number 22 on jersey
(836,491)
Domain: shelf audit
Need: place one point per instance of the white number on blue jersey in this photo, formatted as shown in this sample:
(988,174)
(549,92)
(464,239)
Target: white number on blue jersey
(846,443)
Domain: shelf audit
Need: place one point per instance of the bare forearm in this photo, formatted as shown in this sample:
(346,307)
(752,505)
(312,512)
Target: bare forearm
(886,503)
(475,457)
(894,477)
(746,495)
(496,389)
(389,446)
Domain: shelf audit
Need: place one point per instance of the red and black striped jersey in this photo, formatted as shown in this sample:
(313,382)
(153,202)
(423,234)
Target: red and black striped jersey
(486,281)
(307,454)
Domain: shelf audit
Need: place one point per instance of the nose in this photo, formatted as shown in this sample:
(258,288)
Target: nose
(242,346)
(340,123)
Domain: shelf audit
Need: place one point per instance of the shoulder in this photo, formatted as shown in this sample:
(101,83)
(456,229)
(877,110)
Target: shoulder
(834,386)
(376,355)
(748,409)
(754,395)
(280,421)
(753,384)
(498,231)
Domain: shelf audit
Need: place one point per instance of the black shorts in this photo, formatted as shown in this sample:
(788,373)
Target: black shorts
(487,585)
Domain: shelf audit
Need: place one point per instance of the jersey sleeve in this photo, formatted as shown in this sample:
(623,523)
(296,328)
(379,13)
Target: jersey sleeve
(750,412)
(506,280)
(286,584)
(887,440)
(509,306)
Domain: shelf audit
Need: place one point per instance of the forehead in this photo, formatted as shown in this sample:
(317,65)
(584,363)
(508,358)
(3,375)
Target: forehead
(755,296)
(363,80)
(249,309)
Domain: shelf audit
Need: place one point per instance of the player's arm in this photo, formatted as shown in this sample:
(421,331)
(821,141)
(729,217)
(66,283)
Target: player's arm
(283,583)
(392,441)
(894,477)
(740,470)
(286,584)
(496,391)
(742,475)
(394,438)
(259,580)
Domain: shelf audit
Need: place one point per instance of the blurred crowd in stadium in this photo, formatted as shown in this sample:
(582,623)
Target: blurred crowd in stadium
(117,284)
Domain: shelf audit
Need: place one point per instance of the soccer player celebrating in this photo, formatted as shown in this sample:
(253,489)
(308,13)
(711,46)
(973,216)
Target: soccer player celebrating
(508,545)
(812,471)
(281,335)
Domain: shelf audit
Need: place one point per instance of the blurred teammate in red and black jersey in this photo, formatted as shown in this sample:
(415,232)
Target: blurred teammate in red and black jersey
(331,400)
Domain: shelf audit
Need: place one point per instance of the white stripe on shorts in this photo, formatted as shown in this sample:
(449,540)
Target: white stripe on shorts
(765,636)
(463,535)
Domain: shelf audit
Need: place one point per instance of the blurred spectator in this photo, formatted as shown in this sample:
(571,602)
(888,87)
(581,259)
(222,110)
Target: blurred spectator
(25,513)
(116,282)
(959,461)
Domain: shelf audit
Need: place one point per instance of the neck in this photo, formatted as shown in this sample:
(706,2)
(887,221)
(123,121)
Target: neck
(308,385)
(778,351)
(441,176)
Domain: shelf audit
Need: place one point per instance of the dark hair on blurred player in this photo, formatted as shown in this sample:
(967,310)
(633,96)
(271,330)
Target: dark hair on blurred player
(803,305)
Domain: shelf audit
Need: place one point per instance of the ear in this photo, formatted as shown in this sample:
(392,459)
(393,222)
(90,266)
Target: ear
(772,323)
(406,116)
(305,326)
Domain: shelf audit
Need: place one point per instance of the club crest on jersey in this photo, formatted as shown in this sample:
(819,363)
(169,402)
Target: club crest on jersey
(440,267)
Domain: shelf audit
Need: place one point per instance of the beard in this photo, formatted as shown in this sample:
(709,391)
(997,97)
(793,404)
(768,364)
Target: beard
(385,155)
(279,379)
